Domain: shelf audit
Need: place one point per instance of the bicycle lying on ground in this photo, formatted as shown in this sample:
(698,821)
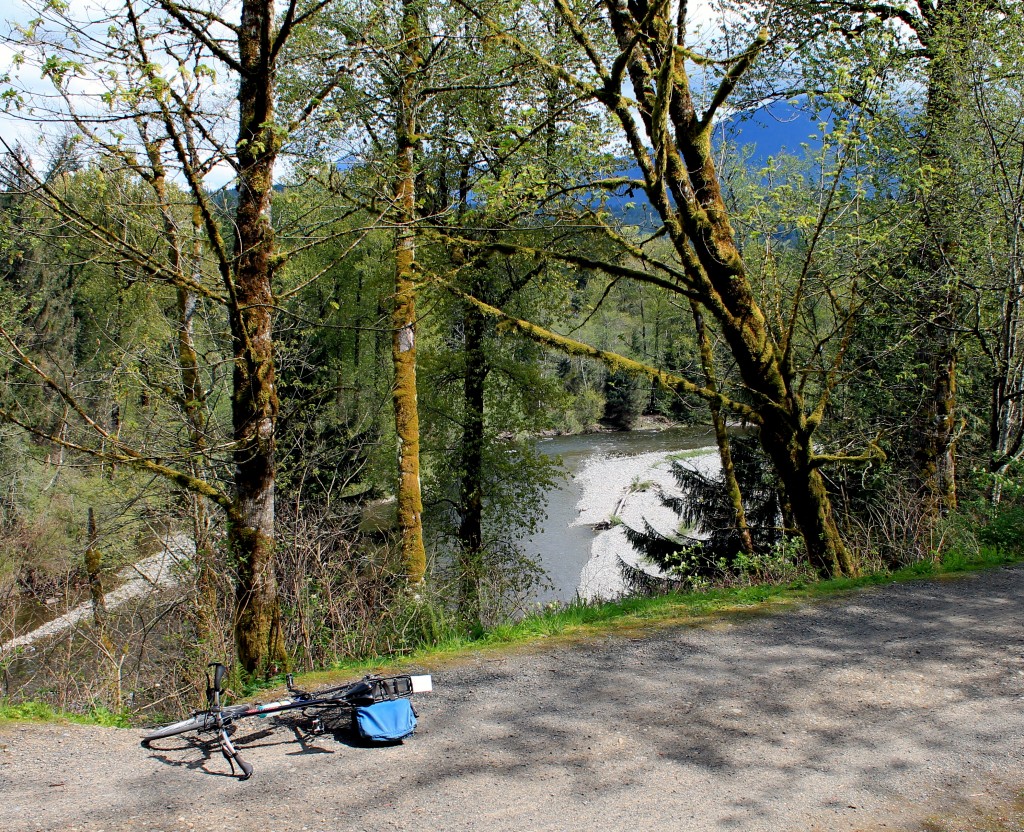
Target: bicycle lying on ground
(379,708)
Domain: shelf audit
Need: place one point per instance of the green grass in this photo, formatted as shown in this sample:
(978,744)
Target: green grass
(42,712)
(578,622)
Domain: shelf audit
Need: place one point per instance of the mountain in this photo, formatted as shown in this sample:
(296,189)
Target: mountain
(779,127)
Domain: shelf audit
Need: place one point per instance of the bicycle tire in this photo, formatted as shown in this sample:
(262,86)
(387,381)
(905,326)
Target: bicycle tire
(202,721)
(196,723)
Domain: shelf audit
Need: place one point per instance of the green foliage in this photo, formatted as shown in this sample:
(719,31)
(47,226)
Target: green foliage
(34,711)
(625,397)
(1004,530)
(783,563)
(708,548)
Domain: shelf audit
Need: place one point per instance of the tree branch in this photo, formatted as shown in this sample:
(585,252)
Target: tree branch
(732,77)
(122,453)
(582,261)
(181,14)
(570,346)
(873,452)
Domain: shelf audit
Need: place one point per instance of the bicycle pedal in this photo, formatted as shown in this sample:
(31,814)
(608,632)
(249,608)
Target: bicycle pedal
(316,726)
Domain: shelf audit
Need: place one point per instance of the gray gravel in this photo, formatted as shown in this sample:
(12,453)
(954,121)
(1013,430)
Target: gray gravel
(865,712)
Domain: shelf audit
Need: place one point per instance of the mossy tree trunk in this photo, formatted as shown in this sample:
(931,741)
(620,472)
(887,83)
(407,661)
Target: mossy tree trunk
(646,89)
(258,634)
(403,348)
(94,569)
(947,32)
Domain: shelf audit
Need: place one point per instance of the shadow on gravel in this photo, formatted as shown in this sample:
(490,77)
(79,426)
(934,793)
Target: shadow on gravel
(866,700)
(837,700)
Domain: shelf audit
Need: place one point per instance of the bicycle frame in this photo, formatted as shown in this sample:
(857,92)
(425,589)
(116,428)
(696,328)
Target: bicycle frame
(219,718)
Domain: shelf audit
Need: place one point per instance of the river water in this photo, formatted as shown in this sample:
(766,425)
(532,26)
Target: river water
(603,471)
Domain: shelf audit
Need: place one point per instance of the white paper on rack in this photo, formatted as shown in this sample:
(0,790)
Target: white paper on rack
(422,684)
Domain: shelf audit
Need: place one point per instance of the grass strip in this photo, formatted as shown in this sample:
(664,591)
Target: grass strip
(578,621)
(33,711)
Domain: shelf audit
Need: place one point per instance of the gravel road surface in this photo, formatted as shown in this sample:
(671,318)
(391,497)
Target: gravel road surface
(877,710)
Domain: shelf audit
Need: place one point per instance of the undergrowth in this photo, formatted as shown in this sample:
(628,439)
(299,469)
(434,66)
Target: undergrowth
(580,620)
(34,711)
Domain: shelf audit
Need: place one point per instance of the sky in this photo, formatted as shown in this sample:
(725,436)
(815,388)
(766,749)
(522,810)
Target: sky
(13,129)
(16,11)
(32,136)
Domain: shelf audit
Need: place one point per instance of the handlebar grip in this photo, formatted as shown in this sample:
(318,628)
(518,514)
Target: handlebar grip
(219,673)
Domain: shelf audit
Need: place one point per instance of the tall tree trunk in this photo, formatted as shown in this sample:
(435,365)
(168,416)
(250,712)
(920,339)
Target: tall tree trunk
(947,41)
(258,634)
(1006,421)
(196,414)
(471,501)
(410,501)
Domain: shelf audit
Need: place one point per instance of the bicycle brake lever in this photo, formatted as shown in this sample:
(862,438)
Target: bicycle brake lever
(232,756)
(242,764)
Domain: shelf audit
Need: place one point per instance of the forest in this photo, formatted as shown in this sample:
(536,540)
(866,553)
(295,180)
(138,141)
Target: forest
(292,289)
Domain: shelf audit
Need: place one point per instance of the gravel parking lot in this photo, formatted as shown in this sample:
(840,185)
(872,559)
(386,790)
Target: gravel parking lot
(877,710)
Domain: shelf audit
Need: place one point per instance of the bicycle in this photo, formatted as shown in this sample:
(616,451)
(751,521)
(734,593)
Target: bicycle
(356,698)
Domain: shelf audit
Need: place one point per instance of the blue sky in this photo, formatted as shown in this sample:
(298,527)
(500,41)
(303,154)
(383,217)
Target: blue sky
(17,12)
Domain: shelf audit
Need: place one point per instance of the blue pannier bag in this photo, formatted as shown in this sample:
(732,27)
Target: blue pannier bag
(387,721)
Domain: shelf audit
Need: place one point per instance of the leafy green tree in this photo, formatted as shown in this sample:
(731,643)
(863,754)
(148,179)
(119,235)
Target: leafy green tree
(668,137)
(939,45)
(158,73)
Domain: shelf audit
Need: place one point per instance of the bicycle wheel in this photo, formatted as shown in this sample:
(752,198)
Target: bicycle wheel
(196,723)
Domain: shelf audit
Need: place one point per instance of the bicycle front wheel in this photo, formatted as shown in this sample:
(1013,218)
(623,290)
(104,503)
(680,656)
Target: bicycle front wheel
(198,722)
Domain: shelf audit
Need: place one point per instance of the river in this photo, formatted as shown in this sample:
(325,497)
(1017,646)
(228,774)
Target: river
(608,474)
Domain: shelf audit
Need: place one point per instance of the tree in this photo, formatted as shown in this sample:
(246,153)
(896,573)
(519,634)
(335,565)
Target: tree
(669,140)
(407,105)
(996,176)
(159,76)
(940,43)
